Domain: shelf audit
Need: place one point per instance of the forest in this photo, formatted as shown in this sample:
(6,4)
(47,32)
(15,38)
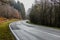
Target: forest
(11,9)
(46,12)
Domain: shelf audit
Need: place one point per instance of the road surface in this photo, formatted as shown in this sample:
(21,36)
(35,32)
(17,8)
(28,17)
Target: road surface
(24,31)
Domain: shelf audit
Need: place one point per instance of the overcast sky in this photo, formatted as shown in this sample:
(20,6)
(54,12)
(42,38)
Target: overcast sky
(27,3)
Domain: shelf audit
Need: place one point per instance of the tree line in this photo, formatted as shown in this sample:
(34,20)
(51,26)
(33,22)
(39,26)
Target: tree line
(19,6)
(47,12)
(12,9)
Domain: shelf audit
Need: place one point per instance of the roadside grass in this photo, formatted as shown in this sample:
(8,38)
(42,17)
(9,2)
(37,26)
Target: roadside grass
(5,33)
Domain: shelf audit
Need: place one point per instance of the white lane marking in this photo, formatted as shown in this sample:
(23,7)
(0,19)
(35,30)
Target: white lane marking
(46,32)
(49,33)
(42,31)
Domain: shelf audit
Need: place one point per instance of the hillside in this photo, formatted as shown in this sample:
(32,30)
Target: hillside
(8,11)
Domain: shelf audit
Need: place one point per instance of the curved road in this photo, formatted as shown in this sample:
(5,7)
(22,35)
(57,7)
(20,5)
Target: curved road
(25,31)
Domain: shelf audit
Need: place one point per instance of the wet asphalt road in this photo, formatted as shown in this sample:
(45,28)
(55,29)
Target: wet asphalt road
(34,32)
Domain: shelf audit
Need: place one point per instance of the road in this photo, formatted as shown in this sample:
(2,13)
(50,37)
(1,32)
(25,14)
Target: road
(25,31)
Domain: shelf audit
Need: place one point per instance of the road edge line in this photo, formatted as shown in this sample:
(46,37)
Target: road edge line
(13,32)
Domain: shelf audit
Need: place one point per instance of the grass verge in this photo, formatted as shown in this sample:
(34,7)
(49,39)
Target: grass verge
(5,33)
